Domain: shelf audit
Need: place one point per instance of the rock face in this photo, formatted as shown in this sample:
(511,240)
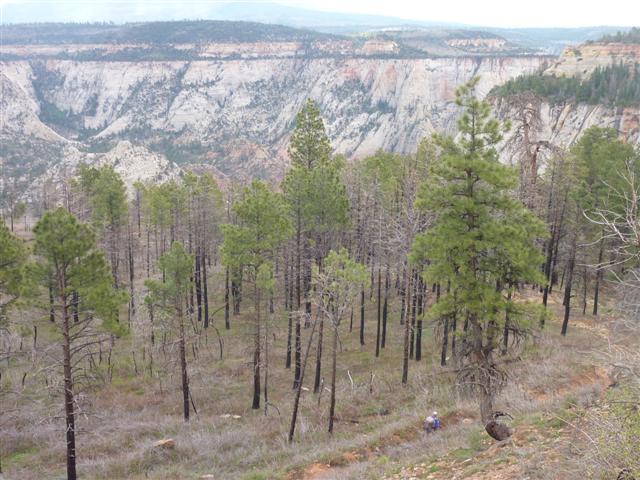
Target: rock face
(561,125)
(582,60)
(133,163)
(234,115)
(557,126)
(237,115)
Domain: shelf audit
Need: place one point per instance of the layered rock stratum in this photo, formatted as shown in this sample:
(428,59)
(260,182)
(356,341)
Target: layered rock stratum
(230,107)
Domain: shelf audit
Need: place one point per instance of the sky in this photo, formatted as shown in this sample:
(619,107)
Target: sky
(496,13)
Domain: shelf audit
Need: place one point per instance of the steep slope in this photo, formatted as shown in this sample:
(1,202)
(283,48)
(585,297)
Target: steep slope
(237,114)
(229,106)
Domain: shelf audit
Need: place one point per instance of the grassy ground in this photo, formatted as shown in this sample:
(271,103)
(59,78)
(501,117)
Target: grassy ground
(377,434)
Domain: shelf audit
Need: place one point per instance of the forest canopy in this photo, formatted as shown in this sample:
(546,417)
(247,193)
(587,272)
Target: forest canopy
(614,85)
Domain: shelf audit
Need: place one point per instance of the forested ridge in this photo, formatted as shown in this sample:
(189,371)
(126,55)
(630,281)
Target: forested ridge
(631,36)
(615,85)
(263,327)
(161,33)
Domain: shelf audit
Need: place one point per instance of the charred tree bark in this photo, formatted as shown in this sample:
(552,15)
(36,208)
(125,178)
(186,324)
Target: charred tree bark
(412,329)
(445,342)
(236,294)
(296,401)
(547,270)
(403,294)
(596,286)
(198,284)
(227,324)
(52,309)
(290,314)
(70,418)
(316,383)
(132,298)
(568,285)
(362,316)
(379,324)
(297,374)
(75,305)
(453,335)
(183,362)
(585,278)
(405,357)
(256,353)
(507,326)
(205,292)
(298,327)
(385,309)
(334,354)
(422,292)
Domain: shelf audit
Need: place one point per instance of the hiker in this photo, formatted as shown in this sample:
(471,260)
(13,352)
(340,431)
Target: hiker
(432,423)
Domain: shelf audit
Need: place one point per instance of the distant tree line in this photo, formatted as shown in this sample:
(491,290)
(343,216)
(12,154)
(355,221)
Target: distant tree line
(187,31)
(630,36)
(614,85)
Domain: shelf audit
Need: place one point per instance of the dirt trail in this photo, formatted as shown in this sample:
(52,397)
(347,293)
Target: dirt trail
(529,448)
(495,462)
(319,470)
(596,376)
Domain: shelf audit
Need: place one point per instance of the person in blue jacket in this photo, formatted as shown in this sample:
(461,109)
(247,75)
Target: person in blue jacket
(432,423)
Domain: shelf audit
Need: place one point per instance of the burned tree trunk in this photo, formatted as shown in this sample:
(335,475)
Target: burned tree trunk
(362,317)
(68,385)
(596,286)
(256,353)
(183,362)
(316,383)
(205,292)
(379,324)
(385,309)
(568,285)
(227,324)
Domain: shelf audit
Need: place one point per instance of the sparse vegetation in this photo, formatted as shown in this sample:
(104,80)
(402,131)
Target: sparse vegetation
(401,284)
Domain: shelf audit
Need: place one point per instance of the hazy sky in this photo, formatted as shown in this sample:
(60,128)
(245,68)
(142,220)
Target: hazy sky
(499,13)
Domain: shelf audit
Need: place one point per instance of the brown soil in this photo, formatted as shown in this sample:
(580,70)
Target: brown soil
(318,470)
(594,376)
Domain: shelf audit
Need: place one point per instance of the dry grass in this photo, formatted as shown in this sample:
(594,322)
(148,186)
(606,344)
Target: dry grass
(377,431)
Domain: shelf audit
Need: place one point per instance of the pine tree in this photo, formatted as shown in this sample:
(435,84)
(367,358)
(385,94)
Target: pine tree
(264,225)
(204,214)
(319,210)
(13,260)
(67,253)
(171,296)
(337,285)
(309,144)
(107,198)
(481,242)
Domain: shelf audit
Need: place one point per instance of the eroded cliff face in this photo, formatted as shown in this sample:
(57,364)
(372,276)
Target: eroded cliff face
(237,115)
(551,128)
(582,60)
(232,109)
